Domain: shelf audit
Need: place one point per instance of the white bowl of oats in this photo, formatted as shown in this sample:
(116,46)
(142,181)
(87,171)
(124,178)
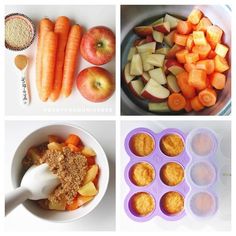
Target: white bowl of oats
(80,163)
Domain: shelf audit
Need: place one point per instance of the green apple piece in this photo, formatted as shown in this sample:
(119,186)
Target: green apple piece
(156,59)
(146,66)
(147,47)
(132,51)
(158,36)
(158,107)
(158,75)
(136,66)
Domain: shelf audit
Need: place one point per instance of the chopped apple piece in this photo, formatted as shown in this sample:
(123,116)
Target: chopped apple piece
(174,66)
(172,52)
(136,87)
(158,107)
(33,154)
(158,36)
(54,138)
(82,200)
(173,21)
(127,76)
(156,59)
(91,174)
(172,84)
(55,146)
(163,50)
(158,75)
(163,27)
(146,66)
(156,22)
(88,152)
(143,30)
(154,91)
(169,38)
(145,77)
(59,206)
(88,190)
(136,66)
(132,51)
(147,47)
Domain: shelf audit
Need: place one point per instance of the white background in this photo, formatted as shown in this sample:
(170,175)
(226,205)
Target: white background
(94,220)
(75,104)
(120,191)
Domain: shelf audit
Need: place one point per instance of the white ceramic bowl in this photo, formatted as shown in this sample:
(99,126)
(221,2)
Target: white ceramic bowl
(39,136)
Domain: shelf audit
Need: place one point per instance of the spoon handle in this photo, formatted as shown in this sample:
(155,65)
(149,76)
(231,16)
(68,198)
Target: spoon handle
(25,99)
(16,197)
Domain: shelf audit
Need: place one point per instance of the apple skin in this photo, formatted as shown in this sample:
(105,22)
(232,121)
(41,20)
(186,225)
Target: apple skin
(143,31)
(95,84)
(98,45)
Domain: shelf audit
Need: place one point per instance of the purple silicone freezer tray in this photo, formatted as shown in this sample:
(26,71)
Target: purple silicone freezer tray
(156,188)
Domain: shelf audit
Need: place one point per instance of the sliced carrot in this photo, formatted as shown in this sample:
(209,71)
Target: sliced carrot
(45,25)
(207,65)
(198,79)
(211,55)
(221,64)
(202,50)
(221,49)
(196,104)
(184,27)
(190,43)
(180,55)
(73,139)
(71,54)
(203,24)
(189,66)
(188,107)
(50,43)
(195,16)
(62,28)
(208,97)
(213,35)
(191,57)
(217,80)
(180,39)
(199,38)
(176,102)
(187,90)
(172,52)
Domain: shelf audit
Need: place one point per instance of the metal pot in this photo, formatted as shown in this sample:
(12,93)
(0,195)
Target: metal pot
(132,15)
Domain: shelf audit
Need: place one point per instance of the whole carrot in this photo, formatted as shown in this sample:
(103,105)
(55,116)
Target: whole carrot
(48,64)
(62,28)
(45,26)
(71,54)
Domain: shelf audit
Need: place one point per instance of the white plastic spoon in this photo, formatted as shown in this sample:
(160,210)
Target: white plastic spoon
(37,183)
(21,62)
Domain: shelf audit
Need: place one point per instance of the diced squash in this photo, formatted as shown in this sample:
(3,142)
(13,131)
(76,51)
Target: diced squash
(190,43)
(189,66)
(180,55)
(202,50)
(191,57)
(198,79)
(207,65)
(203,24)
(184,27)
(213,35)
(221,64)
(199,38)
(195,16)
(221,50)
(180,39)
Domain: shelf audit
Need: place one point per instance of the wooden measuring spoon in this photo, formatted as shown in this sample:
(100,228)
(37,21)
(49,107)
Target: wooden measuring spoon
(21,62)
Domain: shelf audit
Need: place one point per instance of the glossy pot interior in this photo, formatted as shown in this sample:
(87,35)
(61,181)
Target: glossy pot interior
(133,15)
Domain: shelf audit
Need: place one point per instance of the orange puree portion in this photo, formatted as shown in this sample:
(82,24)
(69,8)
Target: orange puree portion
(142,203)
(172,203)
(142,174)
(172,145)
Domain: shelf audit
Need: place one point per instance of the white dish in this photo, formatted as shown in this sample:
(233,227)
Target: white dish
(39,136)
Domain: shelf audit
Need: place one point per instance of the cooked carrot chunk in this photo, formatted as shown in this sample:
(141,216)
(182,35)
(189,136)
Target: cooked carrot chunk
(195,16)
(207,65)
(191,57)
(198,79)
(203,24)
(180,39)
(221,64)
(199,38)
(217,80)
(213,36)
(196,104)
(207,97)
(221,50)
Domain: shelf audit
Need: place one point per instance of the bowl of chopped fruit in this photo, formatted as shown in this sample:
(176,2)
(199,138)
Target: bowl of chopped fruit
(79,162)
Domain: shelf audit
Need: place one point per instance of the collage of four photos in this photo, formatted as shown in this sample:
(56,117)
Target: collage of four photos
(111,120)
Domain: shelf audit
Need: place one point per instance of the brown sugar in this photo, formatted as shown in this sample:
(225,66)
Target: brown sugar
(172,145)
(172,174)
(142,144)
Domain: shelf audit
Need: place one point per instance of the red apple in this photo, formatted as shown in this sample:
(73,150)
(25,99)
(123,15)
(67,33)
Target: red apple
(95,84)
(98,45)
(174,66)
(136,87)
(172,84)
(169,38)
(173,21)
(126,74)
(163,27)
(172,52)
(145,77)
(143,31)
